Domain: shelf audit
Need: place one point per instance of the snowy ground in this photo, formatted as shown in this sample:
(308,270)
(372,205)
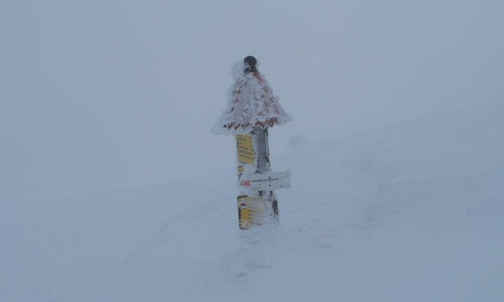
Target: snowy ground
(410,212)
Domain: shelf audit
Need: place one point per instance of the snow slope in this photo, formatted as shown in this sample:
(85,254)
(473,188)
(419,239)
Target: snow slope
(409,212)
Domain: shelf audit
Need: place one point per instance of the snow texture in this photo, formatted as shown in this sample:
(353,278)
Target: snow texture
(298,140)
(411,212)
(251,104)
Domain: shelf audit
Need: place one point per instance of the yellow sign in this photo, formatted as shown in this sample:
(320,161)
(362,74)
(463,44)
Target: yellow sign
(243,213)
(251,211)
(246,152)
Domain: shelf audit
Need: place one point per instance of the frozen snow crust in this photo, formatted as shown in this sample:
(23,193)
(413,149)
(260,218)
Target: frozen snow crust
(411,212)
(251,104)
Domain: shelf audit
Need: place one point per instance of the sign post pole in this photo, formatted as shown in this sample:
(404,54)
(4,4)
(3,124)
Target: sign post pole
(263,166)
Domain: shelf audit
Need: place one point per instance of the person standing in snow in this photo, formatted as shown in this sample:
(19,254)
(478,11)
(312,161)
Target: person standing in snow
(251,103)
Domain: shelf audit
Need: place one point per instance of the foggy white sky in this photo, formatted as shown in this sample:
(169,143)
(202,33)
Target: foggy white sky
(98,95)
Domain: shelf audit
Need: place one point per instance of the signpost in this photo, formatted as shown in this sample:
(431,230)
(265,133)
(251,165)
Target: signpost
(252,110)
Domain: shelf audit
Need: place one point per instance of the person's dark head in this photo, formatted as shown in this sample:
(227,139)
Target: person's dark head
(250,64)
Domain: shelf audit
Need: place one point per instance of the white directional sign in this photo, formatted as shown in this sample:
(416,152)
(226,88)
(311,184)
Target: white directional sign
(268,181)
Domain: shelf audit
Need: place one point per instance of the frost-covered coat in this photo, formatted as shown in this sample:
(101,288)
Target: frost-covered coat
(251,104)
